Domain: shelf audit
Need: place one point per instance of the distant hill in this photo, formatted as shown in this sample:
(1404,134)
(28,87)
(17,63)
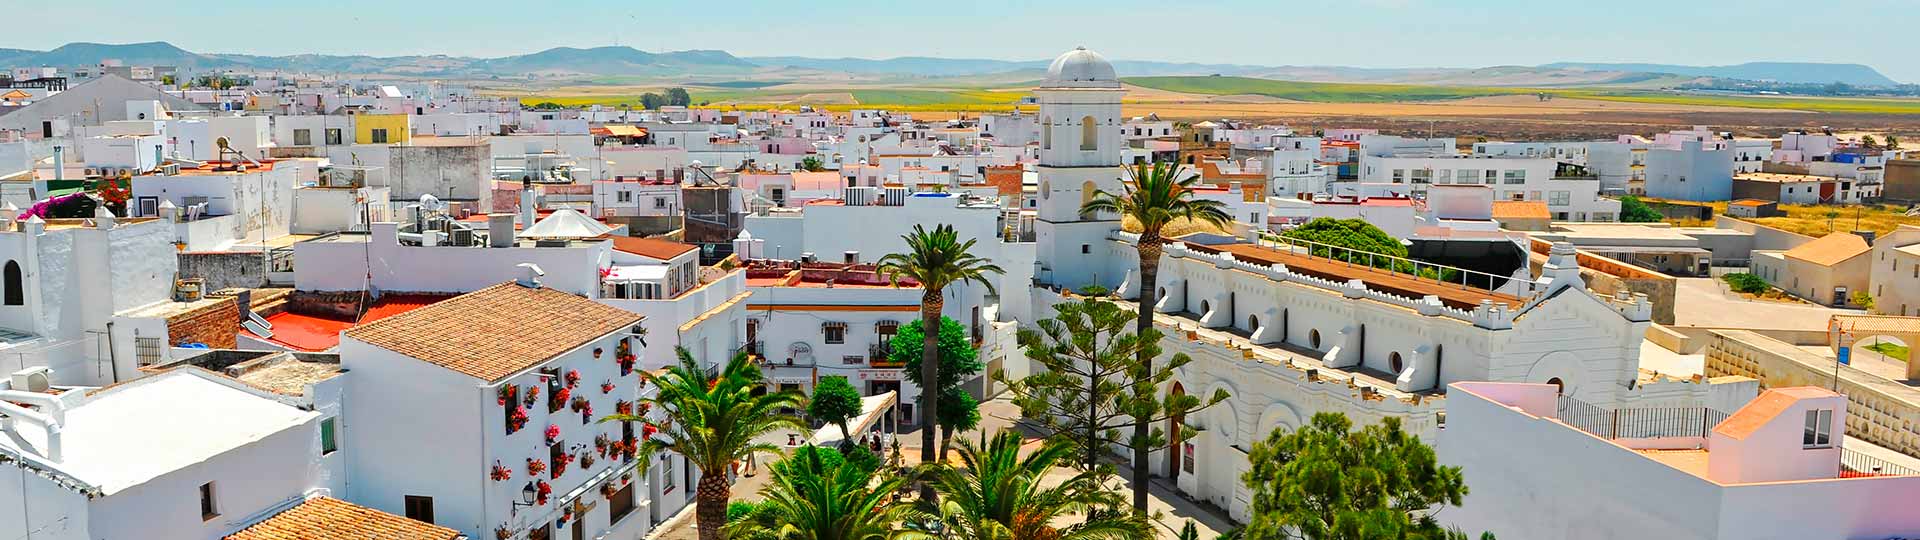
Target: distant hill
(1787,72)
(628,61)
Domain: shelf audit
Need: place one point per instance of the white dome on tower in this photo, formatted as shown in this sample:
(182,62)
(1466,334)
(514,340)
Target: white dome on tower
(1080,68)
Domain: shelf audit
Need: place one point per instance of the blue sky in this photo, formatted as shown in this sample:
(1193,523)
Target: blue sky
(1366,33)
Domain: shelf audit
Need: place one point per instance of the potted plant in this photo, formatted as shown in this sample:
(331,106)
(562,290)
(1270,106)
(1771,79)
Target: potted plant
(532,397)
(517,419)
(500,472)
(553,434)
(542,490)
(573,378)
(606,387)
(535,467)
(560,464)
(586,460)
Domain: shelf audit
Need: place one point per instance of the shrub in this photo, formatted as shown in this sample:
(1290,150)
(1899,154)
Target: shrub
(1745,283)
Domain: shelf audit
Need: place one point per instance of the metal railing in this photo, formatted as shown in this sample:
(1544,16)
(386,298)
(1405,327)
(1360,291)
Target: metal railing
(280,259)
(1414,269)
(1644,423)
(1854,464)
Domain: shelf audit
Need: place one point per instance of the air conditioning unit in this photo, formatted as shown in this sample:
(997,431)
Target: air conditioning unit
(33,379)
(90,171)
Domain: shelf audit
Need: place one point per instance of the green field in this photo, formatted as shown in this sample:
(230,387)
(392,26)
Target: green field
(1321,92)
(955,100)
(1890,350)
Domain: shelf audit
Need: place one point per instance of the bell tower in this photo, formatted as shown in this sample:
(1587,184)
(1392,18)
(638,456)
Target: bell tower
(1080,144)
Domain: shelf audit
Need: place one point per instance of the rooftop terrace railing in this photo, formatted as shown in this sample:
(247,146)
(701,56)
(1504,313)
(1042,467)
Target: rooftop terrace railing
(1640,423)
(1411,268)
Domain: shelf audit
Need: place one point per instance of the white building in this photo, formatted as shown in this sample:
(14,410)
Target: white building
(221,204)
(1779,467)
(1570,192)
(524,372)
(183,455)
(1690,169)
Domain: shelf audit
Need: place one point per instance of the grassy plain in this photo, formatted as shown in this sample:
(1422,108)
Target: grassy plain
(1812,220)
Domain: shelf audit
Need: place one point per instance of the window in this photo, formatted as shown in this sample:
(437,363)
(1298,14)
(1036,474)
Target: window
(1465,176)
(1089,134)
(420,508)
(1046,133)
(1399,176)
(378,135)
(554,452)
(1086,249)
(621,503)
(1819,432)
(329,436)
(835,333)
(1515,177)
(1443,176)
(1421,176)
(666,472)
(659,202)
(1558,198)
(552,376)
(1313,339)
(146,350)
(209,508)
(333,136)
(303,137)
(16,294)
(623,196)
(1492,176)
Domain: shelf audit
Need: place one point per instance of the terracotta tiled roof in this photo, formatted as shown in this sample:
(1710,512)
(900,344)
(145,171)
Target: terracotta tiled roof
(1831,249)
(652,247)
(1763,409)
(1861,325)
(327,518)
(1520,210)
(494,332)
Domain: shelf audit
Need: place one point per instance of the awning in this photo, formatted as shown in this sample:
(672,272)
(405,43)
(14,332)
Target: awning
(872,409)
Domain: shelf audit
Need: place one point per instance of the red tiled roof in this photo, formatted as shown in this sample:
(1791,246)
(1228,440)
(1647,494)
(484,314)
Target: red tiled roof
(494,332)
(327,518)
(1763,409)
(651,247)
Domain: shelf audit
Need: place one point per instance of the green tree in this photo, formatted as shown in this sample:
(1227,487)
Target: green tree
(1830,215)
(678,97)
(1353,234)
(1155,195)
(1328,481)
(835,401)
(995,494)
(812,164)
(1892,143)
(546,106)
(935,260)
(713,421)
(1868,142)
(1632,210)
(959,362)
(812,498)
(651,101)
(1082,390)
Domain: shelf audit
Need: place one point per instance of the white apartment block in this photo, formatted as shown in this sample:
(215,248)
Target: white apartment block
(1568,197)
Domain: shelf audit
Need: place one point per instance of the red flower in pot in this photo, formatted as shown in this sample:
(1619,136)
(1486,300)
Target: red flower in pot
(553,433)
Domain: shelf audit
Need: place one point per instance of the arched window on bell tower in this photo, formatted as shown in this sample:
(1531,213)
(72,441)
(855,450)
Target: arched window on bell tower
(1046,133)
(1089,134)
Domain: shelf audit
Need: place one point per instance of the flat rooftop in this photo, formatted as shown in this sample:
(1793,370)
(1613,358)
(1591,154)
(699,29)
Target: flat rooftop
(1453,295)
(1784,178)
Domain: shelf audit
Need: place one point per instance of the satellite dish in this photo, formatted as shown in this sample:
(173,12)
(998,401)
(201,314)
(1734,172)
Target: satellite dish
(430,202)
(222,143)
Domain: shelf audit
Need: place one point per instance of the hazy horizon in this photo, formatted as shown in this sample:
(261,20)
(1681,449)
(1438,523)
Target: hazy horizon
(1352,33)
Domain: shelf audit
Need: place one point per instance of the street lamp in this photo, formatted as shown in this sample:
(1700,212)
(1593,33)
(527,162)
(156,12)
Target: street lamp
(527,495)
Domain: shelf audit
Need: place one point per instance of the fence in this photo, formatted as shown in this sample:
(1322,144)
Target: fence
(1414,269)
(1855,465)
(1645,423)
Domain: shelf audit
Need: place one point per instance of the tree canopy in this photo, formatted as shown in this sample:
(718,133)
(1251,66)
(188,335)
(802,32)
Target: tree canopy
(1328,481)
(1355,234)
(1632,210)
(678,97)
(958,359)
(835,401)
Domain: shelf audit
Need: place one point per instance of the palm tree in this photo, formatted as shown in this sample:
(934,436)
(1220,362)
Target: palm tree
(998,495)
(713,420)
(935,259)
(1158,194)
(810,499)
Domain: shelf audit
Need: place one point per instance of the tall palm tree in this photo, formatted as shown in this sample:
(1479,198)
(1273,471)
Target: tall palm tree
(997,495)
(713,420)
(810,499)
(935,259)
(1158,194)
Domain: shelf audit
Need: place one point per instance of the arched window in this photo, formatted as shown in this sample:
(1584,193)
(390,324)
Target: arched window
(1089,134)
(16,291)
(1087,189)
(1393,360)
(1046,133)
(1253,323)
(1313,339)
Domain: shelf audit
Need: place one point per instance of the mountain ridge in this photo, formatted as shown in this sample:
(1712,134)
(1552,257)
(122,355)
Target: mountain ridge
(628,61)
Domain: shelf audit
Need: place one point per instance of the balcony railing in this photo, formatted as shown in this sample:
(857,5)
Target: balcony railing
(1638,423)
(1854,464)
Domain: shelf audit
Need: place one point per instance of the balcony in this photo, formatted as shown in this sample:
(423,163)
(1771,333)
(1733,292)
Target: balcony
(878,357)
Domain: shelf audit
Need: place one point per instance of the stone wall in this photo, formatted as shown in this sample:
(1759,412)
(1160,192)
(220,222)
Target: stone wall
(224,270)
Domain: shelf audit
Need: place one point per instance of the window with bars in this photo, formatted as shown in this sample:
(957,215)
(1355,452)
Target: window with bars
(147,350)
(834,332)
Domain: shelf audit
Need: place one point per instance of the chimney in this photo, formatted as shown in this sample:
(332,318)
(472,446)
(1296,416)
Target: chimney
(500,230)
(59,163)
(527,211)
(851,257)
(103,218)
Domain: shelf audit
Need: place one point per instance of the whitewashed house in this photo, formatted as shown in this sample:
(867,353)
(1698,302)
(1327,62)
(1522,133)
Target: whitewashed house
(523,373)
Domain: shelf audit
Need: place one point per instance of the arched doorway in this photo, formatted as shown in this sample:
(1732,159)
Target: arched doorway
(1559,387)
(1253,323)
(1174,435)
